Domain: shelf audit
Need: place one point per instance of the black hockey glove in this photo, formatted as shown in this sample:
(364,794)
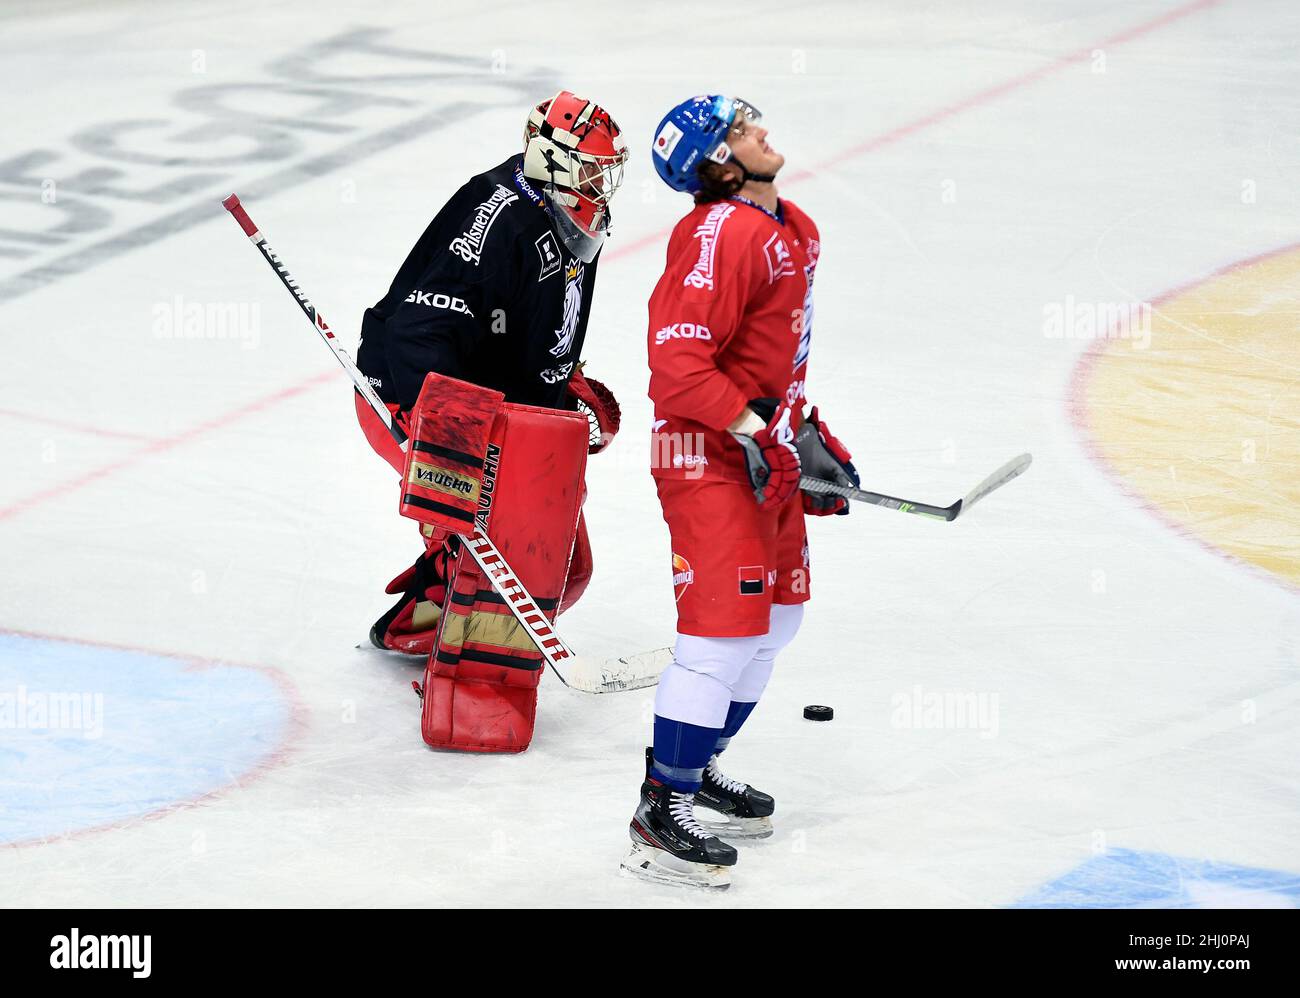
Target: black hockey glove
(822,456)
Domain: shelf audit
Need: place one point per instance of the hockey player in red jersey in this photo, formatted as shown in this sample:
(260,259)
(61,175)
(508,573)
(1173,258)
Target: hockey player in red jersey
(475,348)
(729,336)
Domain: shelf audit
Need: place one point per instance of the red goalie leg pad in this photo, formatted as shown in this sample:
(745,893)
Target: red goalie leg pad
(480,689)
(449,452)
(579,567)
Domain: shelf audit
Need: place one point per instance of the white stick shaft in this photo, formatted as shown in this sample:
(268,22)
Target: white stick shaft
(518,599)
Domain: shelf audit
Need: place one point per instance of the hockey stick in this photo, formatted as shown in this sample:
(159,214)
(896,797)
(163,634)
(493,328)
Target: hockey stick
(1012,469)
(588,677)
(614,676)
(232,205)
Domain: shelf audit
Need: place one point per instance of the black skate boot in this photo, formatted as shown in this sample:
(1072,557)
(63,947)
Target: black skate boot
(668,844)
(411,625)
(735,810)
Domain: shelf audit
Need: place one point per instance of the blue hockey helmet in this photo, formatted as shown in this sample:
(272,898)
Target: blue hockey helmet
(695,131)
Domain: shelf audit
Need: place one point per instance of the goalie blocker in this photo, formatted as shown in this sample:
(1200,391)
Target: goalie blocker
(515,472)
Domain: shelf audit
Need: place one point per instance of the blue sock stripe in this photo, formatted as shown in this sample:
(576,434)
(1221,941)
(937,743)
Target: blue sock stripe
(673,775)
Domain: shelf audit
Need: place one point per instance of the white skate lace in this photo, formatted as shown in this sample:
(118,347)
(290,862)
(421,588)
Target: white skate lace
(682,808)
(725,781)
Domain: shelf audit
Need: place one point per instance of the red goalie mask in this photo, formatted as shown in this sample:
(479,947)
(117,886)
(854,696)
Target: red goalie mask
(575,150)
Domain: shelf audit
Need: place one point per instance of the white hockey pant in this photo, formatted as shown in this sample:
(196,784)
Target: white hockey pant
(707,674)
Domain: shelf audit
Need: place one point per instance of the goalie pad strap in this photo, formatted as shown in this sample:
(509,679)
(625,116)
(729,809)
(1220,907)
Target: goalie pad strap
(469,460)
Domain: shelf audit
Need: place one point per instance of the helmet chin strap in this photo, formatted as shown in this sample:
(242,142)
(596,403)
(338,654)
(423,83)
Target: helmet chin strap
(757,178)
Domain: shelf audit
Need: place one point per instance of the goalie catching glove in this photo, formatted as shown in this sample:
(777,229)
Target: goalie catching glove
(601,408)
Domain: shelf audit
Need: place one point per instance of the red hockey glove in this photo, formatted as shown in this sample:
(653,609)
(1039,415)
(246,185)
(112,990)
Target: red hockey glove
(601,408)
(770,455)
(822,456)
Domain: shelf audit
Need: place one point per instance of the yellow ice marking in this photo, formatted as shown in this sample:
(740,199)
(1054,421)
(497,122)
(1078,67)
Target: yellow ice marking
(1204,422)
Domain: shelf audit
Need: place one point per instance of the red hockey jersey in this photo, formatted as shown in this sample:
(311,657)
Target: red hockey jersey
(730,320)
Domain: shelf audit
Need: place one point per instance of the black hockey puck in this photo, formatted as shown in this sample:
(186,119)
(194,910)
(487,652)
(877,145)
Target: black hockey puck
(816,712)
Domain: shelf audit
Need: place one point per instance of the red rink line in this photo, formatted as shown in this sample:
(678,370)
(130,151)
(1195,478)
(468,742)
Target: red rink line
(164,444)
(653,239)
(61,424)
(951,110)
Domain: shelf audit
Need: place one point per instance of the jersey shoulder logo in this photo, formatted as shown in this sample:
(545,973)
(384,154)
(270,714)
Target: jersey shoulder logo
(469,244)
(550,256)
(708,232)
(779,261)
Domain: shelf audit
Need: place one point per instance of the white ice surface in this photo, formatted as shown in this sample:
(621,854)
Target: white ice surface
(207,525)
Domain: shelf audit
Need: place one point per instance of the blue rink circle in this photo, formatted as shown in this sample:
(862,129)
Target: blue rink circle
(1126,878)
(91,736)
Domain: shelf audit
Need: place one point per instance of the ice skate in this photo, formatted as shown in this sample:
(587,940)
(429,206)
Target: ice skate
(670,846)
(734,810)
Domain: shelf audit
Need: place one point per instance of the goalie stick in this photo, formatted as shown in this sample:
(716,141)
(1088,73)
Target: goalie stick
(628,673)
(1012,469)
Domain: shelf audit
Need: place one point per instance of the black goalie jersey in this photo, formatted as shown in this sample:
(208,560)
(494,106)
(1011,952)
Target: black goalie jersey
(488,295)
